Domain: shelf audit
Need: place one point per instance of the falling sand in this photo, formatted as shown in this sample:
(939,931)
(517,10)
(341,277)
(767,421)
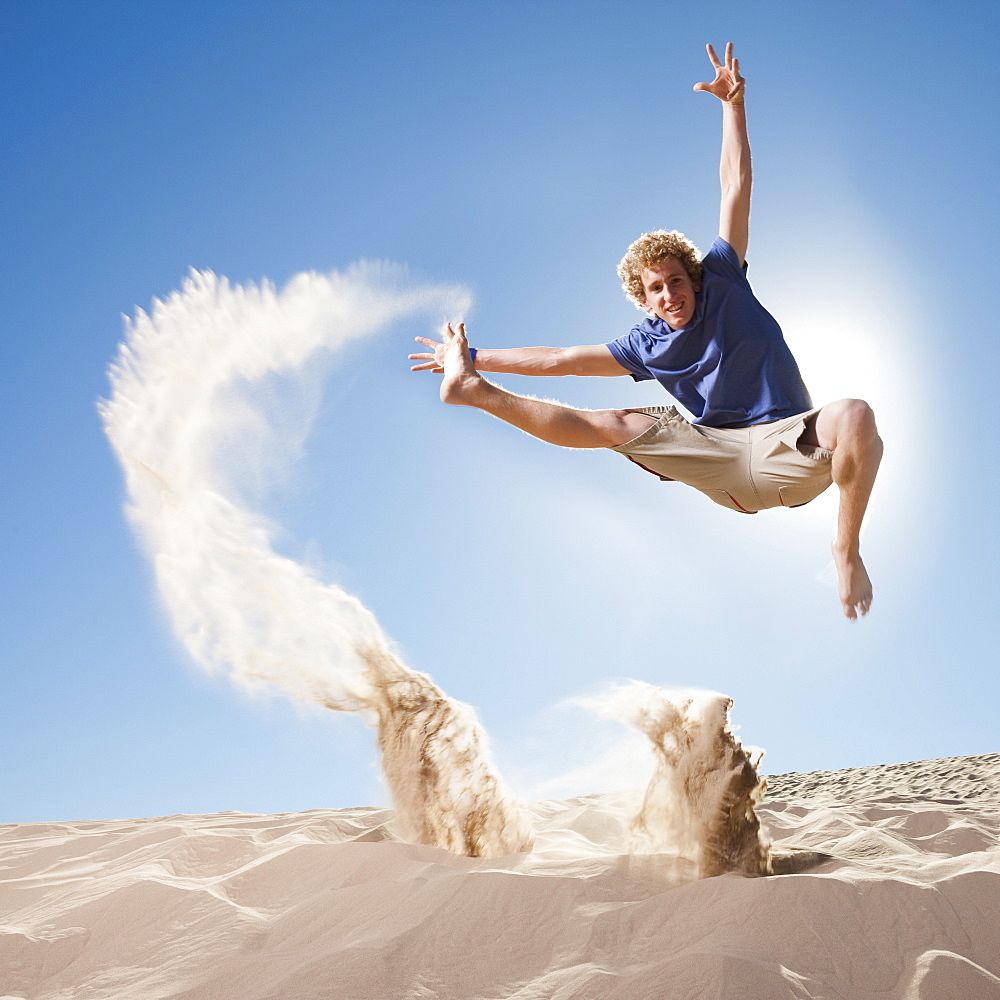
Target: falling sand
(189,419)
(700,800)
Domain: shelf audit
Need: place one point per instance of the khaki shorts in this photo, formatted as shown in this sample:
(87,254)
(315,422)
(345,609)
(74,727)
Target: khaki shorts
(743,468)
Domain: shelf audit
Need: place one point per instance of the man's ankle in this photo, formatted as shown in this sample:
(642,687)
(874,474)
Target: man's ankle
(846,550)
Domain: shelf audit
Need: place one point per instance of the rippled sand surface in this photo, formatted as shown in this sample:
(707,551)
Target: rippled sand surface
(889,888)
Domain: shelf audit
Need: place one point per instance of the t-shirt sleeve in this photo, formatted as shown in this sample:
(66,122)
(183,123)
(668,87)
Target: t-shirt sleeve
(721,259)
(627,351)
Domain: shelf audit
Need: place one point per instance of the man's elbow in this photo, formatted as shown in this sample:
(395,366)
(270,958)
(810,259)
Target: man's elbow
(737,189)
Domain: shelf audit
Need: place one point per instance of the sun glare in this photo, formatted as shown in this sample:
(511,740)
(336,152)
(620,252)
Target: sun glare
(858,349)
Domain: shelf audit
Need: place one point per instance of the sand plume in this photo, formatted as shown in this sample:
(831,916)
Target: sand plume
(699,801)
(437,766)
(702,794)
(198,415)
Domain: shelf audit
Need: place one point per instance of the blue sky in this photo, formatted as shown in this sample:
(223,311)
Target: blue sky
(514,149)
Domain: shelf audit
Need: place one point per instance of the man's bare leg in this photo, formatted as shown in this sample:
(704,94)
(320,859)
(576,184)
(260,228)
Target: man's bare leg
(462,385)
(847,428)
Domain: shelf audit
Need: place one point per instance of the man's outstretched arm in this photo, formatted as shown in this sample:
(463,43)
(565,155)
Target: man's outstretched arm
(591,359)
(735,172)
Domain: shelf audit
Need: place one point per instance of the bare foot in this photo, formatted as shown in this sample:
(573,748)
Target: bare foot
(853,583)
(461,381)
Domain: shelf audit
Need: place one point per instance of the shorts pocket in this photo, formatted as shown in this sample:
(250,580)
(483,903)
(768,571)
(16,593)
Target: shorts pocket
(801,494)
(725,499)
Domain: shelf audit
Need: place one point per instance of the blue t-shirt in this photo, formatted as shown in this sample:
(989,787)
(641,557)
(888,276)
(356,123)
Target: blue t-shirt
(730,366)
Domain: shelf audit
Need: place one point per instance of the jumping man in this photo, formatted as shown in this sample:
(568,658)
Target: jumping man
(755,440)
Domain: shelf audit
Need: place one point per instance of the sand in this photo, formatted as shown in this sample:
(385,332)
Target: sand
(891,889)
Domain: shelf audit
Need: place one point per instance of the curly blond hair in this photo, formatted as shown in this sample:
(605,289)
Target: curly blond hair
(652,248)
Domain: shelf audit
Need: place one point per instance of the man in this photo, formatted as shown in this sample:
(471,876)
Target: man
(755,440)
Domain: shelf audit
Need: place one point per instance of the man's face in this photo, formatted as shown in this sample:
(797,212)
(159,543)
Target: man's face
(670,292)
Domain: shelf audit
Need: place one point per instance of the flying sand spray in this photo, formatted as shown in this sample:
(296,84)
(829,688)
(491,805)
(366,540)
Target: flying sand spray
(186,398)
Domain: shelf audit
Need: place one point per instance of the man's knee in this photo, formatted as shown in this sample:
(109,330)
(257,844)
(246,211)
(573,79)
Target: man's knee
(849,418)
(859,418)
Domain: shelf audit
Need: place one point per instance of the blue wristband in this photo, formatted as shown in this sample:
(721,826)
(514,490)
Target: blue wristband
(472,354)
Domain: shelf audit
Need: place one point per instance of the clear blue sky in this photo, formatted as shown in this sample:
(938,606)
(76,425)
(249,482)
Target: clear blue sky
(516,149)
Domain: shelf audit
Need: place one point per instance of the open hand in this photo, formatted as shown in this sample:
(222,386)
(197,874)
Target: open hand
(728,85)
(434,361)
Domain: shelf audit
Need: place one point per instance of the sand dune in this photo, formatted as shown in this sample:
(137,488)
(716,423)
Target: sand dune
(892,891)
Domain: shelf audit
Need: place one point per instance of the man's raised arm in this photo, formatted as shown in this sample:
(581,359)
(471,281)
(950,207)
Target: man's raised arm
(734,167)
